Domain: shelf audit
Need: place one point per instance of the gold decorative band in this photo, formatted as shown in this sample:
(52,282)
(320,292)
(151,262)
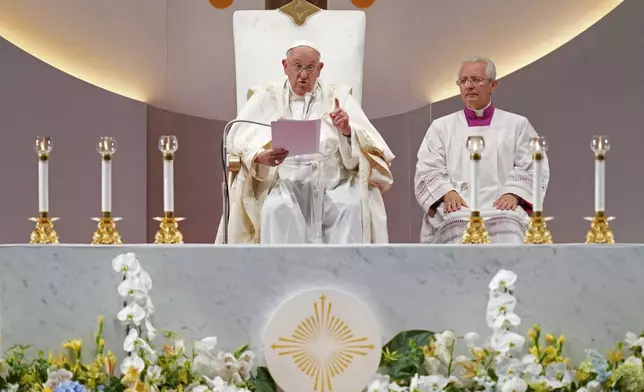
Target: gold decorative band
(234,163)
(43,157)
(43,214)
(537,214)
(600,156)
(476,214)
(168,156)
(600,214)
(106,214)
(168,214)
(476,156)
(107,157)
(537,156)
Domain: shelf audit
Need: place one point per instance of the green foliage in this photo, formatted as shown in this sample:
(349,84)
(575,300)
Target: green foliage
(403,356)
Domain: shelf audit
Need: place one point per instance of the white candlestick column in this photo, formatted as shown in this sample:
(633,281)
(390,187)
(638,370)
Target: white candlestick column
(537,180)
(106,185)
(474,184)
(43,185)
(168,185)
(600,177)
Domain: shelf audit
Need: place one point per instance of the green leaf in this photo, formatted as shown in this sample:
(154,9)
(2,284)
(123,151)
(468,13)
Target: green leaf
(240,350)
(263,381)
(400,342)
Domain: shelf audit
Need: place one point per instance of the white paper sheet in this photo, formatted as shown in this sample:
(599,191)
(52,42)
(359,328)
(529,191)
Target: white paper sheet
(299,137)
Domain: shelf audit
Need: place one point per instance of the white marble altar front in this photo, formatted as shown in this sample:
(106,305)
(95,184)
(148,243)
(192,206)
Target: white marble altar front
(591,293)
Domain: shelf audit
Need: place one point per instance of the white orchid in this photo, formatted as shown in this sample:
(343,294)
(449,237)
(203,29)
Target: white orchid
(379,383)
(633,341)
(132,312)
(132,362)
(503,281)
(126,263)
(428,383)
(558,376)
(513,384)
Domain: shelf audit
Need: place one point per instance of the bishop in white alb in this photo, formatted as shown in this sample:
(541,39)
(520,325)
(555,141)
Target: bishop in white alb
(506,166)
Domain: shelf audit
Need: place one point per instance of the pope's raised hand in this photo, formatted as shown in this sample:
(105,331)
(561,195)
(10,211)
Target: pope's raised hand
(272,157)
(340,119)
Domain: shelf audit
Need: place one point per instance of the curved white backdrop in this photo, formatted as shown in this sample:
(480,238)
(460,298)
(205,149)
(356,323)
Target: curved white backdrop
(178,54)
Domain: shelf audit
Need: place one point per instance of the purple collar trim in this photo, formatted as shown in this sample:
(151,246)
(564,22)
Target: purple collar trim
(483,121)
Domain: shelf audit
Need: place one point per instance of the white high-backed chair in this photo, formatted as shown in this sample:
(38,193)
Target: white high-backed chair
(261,39)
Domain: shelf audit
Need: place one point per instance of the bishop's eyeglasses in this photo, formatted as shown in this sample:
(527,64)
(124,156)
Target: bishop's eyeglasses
(475,81)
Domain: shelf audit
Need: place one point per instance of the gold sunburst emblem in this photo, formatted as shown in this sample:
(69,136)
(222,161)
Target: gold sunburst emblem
(323,346)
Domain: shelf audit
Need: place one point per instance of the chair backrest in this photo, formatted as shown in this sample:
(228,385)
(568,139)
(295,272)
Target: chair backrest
(261,39)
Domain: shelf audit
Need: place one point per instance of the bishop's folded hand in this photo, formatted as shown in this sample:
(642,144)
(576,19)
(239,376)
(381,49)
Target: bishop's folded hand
(272,157)
(507,201)
(340,119)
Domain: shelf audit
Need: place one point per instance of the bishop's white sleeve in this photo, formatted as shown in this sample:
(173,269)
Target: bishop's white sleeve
(431,181)
(519,181)
(349,151)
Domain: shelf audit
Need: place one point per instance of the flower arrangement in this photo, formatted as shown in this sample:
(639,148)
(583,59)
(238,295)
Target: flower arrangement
(422,361)
(413,361)
(175,367)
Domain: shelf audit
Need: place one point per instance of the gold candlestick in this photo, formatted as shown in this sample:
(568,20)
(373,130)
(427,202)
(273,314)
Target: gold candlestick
(168,232)
(106,232)
(475,232)
(44,232)
(538,232)
(600,232)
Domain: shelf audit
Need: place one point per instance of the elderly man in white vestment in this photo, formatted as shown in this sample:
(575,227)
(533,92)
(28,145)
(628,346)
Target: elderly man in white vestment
(505,181)
(334,196)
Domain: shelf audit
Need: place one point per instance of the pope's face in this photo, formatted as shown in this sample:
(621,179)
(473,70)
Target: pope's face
(302,66)
(476,89)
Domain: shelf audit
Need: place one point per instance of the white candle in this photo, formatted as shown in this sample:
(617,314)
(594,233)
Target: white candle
(106,185)
(536,185)
(474,183)
(43,186)
(599,185)
(168,185)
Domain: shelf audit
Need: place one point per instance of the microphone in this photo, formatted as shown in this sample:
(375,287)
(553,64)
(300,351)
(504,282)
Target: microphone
(307,105)
(224,159)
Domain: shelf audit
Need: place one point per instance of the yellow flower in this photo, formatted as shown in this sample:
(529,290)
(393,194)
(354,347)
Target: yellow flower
(532,334)
(539,387)
(471,369)
(550,339)
(551,352)
(74,345)
(582,376)
(562,340)
(47,389)
(533,350)
(110,363)
(615,356)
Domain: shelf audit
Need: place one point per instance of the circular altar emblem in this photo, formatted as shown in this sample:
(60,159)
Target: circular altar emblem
(322,341)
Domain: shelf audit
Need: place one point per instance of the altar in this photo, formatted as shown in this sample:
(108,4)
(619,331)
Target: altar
(54,293)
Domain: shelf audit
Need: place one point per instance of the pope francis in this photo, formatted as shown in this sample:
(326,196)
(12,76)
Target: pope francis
(333,196)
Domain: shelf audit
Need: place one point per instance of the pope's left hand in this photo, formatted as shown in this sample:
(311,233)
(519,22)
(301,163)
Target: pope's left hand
(507,202)
(340,119)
